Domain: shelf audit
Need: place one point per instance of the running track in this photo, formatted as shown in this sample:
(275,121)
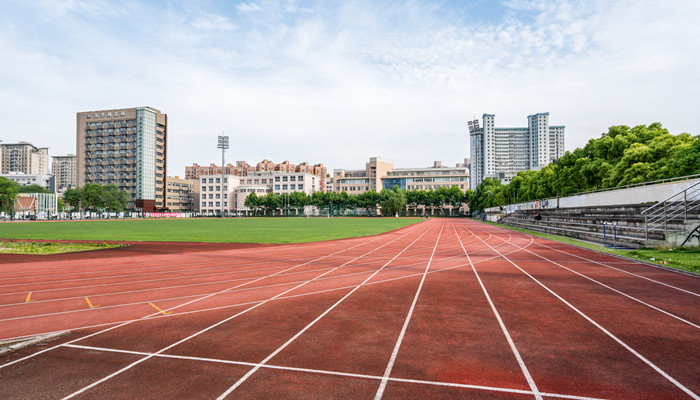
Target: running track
(440,309)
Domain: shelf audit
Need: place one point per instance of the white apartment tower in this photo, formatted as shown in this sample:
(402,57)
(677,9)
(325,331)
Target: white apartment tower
(63,168)
(24,158)
(503,152)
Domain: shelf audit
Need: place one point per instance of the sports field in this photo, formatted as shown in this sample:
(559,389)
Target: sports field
(221,230)
(448,309)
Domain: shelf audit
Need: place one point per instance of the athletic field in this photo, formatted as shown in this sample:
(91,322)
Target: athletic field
(444,309)
(220,230)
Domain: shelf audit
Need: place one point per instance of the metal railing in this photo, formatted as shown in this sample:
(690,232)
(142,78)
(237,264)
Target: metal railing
(672,209)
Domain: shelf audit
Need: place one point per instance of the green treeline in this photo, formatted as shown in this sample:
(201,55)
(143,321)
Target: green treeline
(622,156)
(390,202)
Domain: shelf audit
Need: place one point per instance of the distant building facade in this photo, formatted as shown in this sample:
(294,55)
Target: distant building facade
(125,147)
(47,181)
(379,173)
(181,194)
(503,152)
(362,180)
(63,168)
(242,168)
(431,178)
(230,192)
(23,157)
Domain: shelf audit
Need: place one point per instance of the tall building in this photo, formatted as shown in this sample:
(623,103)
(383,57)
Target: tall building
(503,152)
(126,147)
(25,158)
(63,168)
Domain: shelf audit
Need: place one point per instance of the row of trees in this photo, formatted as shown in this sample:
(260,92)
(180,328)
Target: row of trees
(95,197)
(390,202)
(622,156)
(9,190)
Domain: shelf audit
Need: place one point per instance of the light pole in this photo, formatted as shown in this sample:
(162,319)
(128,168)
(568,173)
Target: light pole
(223,145)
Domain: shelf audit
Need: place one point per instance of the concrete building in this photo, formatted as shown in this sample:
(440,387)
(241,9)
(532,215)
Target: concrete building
(126,147)
(430,178)
(181,194)
(23,157)
(235,189)
(44,180)
(242,168)
(503,152)
(362,180)
(63,168)
(379,173)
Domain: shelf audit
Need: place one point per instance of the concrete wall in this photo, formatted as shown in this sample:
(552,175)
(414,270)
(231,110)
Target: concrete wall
(635,195)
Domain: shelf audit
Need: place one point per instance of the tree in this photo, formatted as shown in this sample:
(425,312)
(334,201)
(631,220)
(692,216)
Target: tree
(74,197)
(393,201)
(114,199)
(252,201)
(8,193)
(34,189)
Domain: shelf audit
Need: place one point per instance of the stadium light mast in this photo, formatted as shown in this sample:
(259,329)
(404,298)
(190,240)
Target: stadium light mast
(223,145)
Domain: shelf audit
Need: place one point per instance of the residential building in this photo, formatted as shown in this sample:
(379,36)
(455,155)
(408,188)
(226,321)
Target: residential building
(125,147)
(235,189)
(362,180)
(44,180)
(430,178)
(503,152)
(63,168)
(23,157)
(242,168)
(181,194)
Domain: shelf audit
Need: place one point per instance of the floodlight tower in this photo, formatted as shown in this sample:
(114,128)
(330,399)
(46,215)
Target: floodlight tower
(223,145)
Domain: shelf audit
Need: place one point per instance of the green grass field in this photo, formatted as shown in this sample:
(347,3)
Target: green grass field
(226,230)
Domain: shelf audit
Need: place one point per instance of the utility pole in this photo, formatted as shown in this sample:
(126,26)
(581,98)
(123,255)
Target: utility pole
(223,145)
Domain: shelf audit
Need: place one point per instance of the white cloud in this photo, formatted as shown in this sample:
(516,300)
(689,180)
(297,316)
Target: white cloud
(343,83)
(248,7)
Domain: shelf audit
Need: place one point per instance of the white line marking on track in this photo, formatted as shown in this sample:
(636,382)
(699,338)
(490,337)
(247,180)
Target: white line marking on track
(106,378)
(334,373)
(622,270)
(514,349)
(175,307)
(395,352)
(617,291)
(312,323)
(608,333)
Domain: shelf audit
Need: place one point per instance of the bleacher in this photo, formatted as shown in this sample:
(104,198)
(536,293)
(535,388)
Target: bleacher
(611,225)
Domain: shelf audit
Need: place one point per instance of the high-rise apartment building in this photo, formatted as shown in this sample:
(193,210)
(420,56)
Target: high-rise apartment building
(503,152)
(63,168)
(25,158)
(126,147)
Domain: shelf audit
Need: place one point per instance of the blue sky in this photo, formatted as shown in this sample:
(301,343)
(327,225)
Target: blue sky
(336,82)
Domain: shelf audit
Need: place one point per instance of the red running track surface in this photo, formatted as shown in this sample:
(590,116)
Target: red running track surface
(447,308)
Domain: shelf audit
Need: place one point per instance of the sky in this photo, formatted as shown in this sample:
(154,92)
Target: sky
(337,82)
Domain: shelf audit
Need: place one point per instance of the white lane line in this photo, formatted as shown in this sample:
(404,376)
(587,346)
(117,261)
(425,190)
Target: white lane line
(622,270)
(312,323)
(178,306)
(608,333)
(617,291)
(106,378)
(514,349)
(395,352)
(159,315)
(325,372)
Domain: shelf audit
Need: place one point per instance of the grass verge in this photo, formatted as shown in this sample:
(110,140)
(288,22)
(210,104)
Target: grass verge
(40,248)
(686,259)
(222,230)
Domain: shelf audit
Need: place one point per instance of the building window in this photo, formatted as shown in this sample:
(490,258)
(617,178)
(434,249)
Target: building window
(277,187)
(284,187)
